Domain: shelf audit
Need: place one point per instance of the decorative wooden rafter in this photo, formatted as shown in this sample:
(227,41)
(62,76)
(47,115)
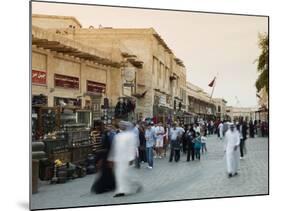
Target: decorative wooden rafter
(53,42)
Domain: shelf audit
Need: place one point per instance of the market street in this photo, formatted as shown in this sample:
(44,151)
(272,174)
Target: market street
(171,181)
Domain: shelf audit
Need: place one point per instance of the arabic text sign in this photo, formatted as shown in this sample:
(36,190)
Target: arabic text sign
(39,77)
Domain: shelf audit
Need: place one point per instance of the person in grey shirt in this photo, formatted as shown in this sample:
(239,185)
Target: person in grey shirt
(175,135)
(150,142)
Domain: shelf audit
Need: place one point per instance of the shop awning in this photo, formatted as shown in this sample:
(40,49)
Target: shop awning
(54,42)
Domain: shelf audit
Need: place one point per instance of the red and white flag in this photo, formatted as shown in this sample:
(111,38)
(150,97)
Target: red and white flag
(211,84)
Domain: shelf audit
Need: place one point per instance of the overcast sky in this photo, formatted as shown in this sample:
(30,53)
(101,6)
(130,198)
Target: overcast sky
(209,44)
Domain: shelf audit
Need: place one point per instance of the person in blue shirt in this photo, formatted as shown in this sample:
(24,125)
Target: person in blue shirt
(150,138)
(197,145)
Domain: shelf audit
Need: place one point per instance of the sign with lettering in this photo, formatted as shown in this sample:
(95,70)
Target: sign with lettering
(96,87)
(162,100)
(39,77)
(65,81)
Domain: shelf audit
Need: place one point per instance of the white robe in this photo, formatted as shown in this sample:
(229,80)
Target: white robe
(232,139)
(123,151)
(221,130)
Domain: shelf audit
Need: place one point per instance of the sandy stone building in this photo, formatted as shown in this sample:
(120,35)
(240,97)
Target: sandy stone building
(245,113)
(220,108)
(135,63)
(70,72)
(200,103)
(262,112)
(160,78)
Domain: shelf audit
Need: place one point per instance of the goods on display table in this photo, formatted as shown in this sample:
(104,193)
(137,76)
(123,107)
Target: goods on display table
(79,141)
(63,135)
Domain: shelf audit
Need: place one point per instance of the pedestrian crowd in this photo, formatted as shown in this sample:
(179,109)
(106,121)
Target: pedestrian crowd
(128,145)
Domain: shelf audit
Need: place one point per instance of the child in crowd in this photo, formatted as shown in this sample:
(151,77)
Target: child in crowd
(197,145)
(204,145)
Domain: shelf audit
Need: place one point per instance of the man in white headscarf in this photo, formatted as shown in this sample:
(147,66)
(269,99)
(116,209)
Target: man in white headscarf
(123,152)
(232,141)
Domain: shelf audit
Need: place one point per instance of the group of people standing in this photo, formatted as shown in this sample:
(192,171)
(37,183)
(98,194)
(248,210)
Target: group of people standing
(190,140)
(127,145)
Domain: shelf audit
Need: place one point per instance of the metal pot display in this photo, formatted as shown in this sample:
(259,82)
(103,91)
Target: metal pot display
(81,171)
(38,146)
(62,174)
(71,171)
(38,155)
(91,169)
(91,160)
(91,164)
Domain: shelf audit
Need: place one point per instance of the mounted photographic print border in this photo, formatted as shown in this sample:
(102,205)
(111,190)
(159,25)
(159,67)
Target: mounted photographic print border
(65,156)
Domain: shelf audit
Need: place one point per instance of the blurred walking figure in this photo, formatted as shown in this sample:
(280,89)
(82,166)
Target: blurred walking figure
(150,143)
(105,181)
(175,138)
(142,155)
(159,132)
(123,152)
(232,141)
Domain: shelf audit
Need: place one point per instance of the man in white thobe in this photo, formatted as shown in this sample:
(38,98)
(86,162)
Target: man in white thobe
(220,130)
(123,152)
(232,141)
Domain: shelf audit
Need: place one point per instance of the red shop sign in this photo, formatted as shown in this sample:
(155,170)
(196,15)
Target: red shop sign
(66,81)
(39,77)
(95,87)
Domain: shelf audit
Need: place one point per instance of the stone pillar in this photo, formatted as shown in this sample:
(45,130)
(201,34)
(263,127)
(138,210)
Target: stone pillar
(50,79)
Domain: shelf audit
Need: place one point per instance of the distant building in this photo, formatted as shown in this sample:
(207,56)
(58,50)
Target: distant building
(262,112)
(200,103)
(220,108)
(240,113)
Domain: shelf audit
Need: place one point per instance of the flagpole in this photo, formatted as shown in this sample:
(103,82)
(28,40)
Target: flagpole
(214,86)
(213,90)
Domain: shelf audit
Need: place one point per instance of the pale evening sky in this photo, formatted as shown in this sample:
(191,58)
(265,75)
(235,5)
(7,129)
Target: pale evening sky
(207,43)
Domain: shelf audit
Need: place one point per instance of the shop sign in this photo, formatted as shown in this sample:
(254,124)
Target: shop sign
(39,77)
(162,100)
(66,81)
(129,74)
(95,87)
